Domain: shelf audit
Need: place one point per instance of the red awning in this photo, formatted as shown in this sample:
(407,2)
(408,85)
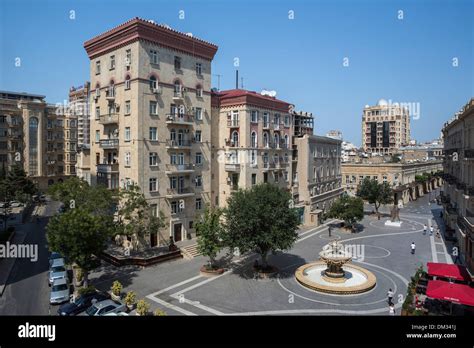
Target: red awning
(448,271)
(457,293)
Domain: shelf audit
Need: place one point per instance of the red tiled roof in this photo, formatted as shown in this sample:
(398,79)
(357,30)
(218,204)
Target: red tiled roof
(234,97)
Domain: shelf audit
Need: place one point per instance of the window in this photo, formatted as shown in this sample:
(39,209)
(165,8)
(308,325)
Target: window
(112,62)
(198,69)
(287,141)
(266,142)
(198,115)
(254,139)
(198,158)
(97,112)
(198,181)
(254,179)
(128,159)
(177,63)
(254,116)
(287,120)
(266,120)
(235,138)
(128,57)
(153,134)
(177,88)
(127,82)
(199,91)
(127,107)
(286,158)
(198,203)
(97,67)
(154,57)
(276,139)
(175,207)
(97,91)
(285,175)
(97,136)
(153,83)
(198,136)
(127,133)
(153,185)
(153,159)
(153,108)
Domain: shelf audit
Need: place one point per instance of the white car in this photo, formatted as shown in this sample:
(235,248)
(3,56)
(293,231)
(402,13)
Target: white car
(105,307)
(59,291)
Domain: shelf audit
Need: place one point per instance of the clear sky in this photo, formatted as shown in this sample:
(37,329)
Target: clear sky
(403,60)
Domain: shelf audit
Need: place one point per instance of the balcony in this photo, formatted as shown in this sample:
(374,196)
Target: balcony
(109,143)
(180,119)
(109,118)
(276,126)
(179,168)
(179,192)
(266,125)
(110,95)
(466,224)
(178,144)
(268,166)
(108,168)
(231,143)
(178,95)
(233,123)
(232,167)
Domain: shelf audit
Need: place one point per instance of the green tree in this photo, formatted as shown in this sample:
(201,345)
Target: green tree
(134,215)
(210,231)
(18,185)
(375,193)
(78,235)
(77,193)
(349,209)
(259,219)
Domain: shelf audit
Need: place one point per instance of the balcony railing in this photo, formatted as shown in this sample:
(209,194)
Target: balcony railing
(175,192)
(466,224)
(233,123)
(268,165)
(179,119)
(109,143)
(174,168)
(107,168)
(109,118)
(231,143)
(232,167)
(178,143)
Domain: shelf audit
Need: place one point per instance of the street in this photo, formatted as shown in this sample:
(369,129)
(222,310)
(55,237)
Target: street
(27,290)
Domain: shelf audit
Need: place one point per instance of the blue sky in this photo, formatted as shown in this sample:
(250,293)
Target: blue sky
(408,60)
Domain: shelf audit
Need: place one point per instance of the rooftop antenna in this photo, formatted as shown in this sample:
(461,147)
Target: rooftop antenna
(218,81)
(236,79)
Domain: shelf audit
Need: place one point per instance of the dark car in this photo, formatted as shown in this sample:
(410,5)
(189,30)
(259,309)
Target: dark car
(81,303)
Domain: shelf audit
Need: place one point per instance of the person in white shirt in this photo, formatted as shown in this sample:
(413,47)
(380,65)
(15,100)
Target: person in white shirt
(413,247)
(391,310)
(425,228)
(431,230)
(390,296)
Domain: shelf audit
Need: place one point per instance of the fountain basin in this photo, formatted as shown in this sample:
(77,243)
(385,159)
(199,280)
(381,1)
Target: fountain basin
(355,280)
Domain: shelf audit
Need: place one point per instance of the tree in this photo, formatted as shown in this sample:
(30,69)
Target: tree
(18,185)
(260,219)
(135,217)
(79,235)
(210,230)
(375,193)
(349,209)
(77,193)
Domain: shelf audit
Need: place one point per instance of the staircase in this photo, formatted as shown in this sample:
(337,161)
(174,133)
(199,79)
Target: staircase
(190,251)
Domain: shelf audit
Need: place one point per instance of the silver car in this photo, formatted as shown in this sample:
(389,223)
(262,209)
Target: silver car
(57,271)
(59,291)
(105,307)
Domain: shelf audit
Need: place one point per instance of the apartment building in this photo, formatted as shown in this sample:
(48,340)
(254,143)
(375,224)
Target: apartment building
(318,176)
(251,142)
(79,105)
(458,191)
(151,118)
(42,138)
(385,128)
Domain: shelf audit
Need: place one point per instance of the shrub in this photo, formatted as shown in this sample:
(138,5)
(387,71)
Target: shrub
(87,290)
(130,298)
(159,313)
(116,288)
(142,307)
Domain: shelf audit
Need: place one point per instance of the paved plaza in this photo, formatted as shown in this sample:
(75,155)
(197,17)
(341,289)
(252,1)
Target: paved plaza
(177,288)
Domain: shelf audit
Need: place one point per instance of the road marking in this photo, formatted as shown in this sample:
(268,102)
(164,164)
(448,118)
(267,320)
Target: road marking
(176,285)
(434,255)
(208,280)
(171,306)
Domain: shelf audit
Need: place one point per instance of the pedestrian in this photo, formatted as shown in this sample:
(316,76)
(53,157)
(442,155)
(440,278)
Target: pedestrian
(391,310)
(438,235)
(424,229)
(329,230)
(390,296)
(431,230)
(413,247)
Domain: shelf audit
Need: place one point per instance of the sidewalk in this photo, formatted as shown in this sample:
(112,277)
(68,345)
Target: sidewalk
(6,265)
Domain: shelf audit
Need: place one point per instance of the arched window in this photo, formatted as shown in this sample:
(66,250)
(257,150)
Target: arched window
(287,141)
(199,91)
(265,140)
(127,82)
(111,89)
(254,139)
(286,158)
(276,138)
(153,83)
(97,90)
(177,88)
(235,138)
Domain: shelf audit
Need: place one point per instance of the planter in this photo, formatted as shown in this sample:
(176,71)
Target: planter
(131,307)
(210,272)
(269,272)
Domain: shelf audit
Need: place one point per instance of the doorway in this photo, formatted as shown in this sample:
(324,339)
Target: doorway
(177,232)
(153,239)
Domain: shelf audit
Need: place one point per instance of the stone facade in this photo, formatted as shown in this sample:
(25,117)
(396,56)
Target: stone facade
(458,192)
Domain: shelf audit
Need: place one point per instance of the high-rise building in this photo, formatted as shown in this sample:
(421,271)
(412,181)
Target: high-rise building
(40,137)
(151,118)
(385,128)
(251,141)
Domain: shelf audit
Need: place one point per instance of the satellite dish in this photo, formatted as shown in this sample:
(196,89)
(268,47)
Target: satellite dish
(189,34)
(272,94)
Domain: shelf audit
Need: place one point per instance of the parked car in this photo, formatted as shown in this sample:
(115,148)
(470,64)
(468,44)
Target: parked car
(57,272)
(119,314)
(3,205)
(82,303)
(53,256)
(59,291)
(104,307)
(15,204)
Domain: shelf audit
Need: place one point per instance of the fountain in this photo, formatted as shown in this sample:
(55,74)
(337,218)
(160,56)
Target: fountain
(334,273)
